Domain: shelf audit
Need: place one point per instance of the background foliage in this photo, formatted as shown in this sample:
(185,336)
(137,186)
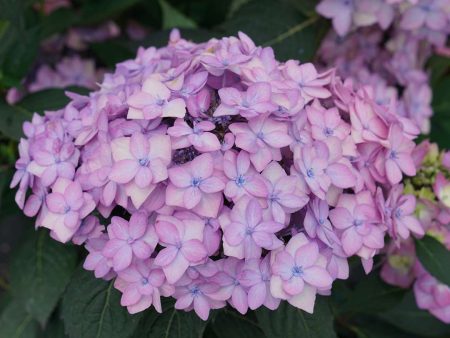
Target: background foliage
(45,293)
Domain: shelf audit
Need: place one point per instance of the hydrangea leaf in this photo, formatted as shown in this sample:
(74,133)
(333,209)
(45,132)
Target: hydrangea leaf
(57,21)
(371,295)
(54,328)
(171,323)
(40,271)
(289,322)
(440,122)
(171,17)
(11,120)
(94,11)
(295,36)
(232,324)
(91,308)
(205,13)
(373,327)
(408,317)
(19,42)
(49,99)
(112,51)
(15,322)
(435,258)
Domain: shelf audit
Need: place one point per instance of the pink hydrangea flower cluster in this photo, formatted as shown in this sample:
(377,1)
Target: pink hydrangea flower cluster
(214,174)
(49,6)
(70,71)
(73,68)
(425,18)
(384,45)
(401,268)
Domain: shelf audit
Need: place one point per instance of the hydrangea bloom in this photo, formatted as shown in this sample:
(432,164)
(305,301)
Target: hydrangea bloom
(129,239)
(221,175)
(182,239)
(298,271)
(401,267)
(384,45)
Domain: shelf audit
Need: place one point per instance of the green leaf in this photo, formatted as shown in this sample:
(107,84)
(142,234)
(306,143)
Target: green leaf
(205,13)
(58,21)
(440,122)
(49,99)
(308,7)
(288,321)
(226,323)
(372,295)
(280,25)
(171,323)
(5,300)
(40,271)
(11,120)
(434,257)
(112,51)
(160,38)
(19,42)
(373,327)
(171,17)
(54,328)
(4,24)
(91,308)
(95,11)
(408,317)
(439,66)
(15,322)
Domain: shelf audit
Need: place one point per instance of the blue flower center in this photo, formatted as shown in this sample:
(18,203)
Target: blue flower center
(273,197)
(195,291)
(328,132)
(265,278)
(398,213)
(393,155)
(260,135)
(240,180)
(197,131)
(66,209)
(160,102)
(249,231)
(357,222)
(281,109)
(297,271)
(196,181)
(143,162)
(310,173)
(144,281)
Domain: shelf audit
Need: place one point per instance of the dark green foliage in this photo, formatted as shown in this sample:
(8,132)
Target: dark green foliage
(41,268)
(91,308)
(434,257)
(170,323)
(295,36)
(289,322)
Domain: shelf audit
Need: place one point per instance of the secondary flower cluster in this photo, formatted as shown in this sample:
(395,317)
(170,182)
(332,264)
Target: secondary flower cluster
(76,67)
(431,187)
(215,174)
(385,44)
